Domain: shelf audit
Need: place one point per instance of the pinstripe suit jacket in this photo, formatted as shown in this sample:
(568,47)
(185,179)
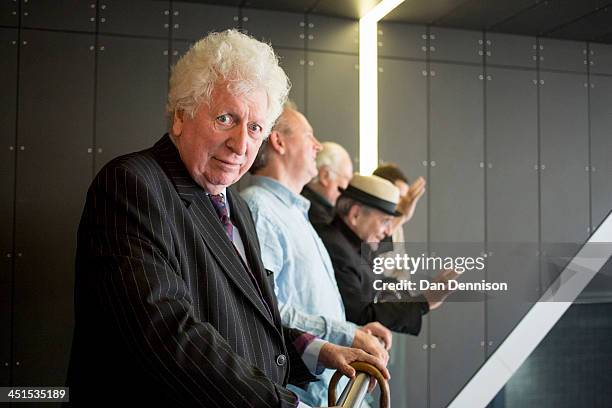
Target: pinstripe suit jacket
(165,311)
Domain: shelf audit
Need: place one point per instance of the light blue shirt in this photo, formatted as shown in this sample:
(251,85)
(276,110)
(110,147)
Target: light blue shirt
(305,284)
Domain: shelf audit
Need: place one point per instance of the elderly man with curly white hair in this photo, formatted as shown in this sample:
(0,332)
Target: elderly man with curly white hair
(173,306)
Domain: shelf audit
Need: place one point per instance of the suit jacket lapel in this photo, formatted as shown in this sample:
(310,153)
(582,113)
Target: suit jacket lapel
(208,224)
(243,221)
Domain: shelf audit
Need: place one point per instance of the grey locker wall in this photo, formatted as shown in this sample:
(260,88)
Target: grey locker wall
(332,99)
(192,21)
(332,34)
(511,50)
(117,17)
(53,171)
(277,28)
(9,13)
(564,165)
(600,58)
(402,40)
(562,55)
(402,140)
(131,93)
(8,111)
(447,44)
(59,15)
(512,197)
(293,63)
(456,220)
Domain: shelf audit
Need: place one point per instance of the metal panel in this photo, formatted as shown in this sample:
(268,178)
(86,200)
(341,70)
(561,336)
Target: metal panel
(294,64)
(59,15)
(54,168)
(600,58)
(564,165)
(402,128)
(136,17)
(478,14)
(195,20)
(402,40)
(511,50)
(131,95)
(563,55)
(448,44)
(278,28)
(179,48)
(456,194)
(332,34)
(8,13)
(332,99)
(402,93)
(512,198)
(601,147)
(8,97)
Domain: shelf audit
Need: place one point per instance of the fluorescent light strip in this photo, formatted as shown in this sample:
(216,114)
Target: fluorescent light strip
(368,85)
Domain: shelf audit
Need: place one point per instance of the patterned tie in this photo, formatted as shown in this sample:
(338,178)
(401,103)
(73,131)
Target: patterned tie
(218,201)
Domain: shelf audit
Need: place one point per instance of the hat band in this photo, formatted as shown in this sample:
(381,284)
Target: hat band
(370,200)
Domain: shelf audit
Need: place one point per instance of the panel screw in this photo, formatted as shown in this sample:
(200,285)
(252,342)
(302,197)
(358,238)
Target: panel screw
(175,53)
(425,163)
(99,150)
(245,19)
(433,346)
(432,37)
(310,37)
(311,63)
(302,36)
(432,73)
(433,163)
(310,25)
(424,346)
(22,148)
(89,150)
(103,6)
(423,48)
(166,12)
(302,24)
(103,20)
(432,49)
(176,26)
(236,18)
(302,62)
(176,13)
(424,36)
(424,73)
(165,52)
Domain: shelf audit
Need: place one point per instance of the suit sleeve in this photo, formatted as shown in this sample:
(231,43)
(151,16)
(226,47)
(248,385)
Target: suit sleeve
(405,317)
(139,288)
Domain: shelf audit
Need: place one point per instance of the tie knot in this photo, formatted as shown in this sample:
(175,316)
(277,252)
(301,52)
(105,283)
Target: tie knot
(218,202)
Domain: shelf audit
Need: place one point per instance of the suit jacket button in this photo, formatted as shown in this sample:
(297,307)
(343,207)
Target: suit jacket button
(281,360)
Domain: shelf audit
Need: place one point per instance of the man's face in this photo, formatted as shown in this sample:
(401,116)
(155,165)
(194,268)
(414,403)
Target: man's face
(220,143)
(371,225)
(302,147)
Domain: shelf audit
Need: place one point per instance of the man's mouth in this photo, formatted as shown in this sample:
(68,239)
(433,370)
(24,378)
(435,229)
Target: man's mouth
(227,163)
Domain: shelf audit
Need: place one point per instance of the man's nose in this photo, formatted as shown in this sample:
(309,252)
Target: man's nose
(237,142)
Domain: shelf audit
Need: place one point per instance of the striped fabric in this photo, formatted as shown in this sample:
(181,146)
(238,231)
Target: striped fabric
(165,311)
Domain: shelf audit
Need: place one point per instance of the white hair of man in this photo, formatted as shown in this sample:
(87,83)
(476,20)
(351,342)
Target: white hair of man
(246,64)
(330,156)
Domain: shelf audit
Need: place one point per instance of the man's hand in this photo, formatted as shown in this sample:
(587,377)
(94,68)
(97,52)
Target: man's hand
(370,344)
(378,330)
(436,297)
(408,202)
(338,357)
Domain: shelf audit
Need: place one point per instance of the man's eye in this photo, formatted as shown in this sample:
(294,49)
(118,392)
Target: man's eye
(255,128)
(224,119)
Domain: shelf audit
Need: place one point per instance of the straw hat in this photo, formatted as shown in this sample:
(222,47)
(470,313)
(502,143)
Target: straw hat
(375,192)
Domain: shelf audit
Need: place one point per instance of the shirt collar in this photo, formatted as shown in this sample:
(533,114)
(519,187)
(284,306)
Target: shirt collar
(314,196)
(288,197)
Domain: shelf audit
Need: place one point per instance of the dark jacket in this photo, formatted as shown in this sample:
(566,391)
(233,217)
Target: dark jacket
(165,311)
(352,260)
(321,211)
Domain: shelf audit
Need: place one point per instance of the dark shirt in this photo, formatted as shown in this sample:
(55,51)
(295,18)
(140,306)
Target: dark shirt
(352,260)
(321,211)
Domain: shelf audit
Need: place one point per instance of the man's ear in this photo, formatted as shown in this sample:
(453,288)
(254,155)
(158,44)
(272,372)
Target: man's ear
(177,122)
(353,215)
(324,176)
(277,142)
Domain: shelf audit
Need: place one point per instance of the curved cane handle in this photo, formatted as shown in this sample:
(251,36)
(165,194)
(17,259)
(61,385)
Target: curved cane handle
(363,368)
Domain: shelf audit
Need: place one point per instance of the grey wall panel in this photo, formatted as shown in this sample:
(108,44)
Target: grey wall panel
(332,34)
(447,44)
(456,194)
(54,169)
(59,15)
(601,147)
(402,129)
(332,99)
(600,58)
(408,366)
(179,47)
(563,55)
(8,96)
(402,40)
(131,95)
(294,64)
(8,13)
(278,28)
(512,198)
(140,17)
(564,179)
(511,50)
(195,20)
